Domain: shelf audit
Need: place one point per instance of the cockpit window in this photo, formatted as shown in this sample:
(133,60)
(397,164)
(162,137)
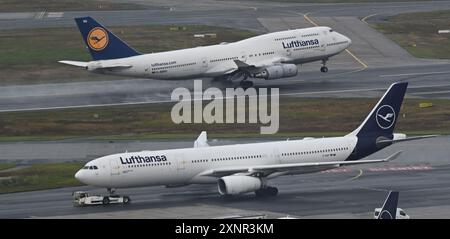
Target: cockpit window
(90,167)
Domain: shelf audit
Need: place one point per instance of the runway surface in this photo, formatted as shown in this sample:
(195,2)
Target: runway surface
(372,63)
(421,174)
(234,14)
(431,81)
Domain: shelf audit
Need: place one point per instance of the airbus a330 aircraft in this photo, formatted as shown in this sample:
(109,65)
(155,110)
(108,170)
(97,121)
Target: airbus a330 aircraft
(244,168)
(268,56)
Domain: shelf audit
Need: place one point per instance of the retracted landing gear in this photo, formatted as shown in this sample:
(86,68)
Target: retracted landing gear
(267,192)
(324,68)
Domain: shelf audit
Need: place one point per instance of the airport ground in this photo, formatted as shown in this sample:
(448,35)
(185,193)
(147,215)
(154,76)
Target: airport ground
(372,64)
(420,174)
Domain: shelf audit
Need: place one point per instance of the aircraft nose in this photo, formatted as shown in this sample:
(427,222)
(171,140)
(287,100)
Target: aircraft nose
(346,39)
(349,40)
(80,176)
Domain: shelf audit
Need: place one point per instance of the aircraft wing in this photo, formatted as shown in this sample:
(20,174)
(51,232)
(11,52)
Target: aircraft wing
(246,67)
(256,68)
(266,170)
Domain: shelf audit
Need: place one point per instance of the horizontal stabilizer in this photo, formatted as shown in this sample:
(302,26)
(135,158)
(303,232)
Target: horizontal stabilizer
(95,65)
(406,139)
(113,66)
(75,63)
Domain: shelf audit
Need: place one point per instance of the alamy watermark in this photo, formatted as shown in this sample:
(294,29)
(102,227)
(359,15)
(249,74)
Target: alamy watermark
(232,105)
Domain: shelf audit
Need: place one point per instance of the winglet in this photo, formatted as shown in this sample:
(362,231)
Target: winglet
(202,140)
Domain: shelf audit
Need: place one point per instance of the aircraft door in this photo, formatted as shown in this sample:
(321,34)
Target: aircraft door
(323,40)
(288,52)
(276,156)
(204,62)
(181,162)
(115,167)
(243,56)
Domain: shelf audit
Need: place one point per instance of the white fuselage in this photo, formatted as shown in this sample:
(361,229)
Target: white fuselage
(185,166)
(292,46)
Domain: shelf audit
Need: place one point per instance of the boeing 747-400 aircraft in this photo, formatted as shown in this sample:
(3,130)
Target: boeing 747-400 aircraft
(268,56)
(244,168)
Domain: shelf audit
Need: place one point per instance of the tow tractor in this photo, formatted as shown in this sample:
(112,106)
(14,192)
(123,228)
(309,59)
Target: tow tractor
(81,198)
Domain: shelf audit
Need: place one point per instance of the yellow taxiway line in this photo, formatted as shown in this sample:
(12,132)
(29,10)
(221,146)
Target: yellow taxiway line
(307,18)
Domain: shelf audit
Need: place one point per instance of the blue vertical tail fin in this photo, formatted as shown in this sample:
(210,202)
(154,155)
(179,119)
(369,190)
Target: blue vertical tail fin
(377,130)
(389,209)
(381,120)
(102,44)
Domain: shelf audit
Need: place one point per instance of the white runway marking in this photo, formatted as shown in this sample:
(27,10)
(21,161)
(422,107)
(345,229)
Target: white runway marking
(169,101)
(417,74)
(431,92)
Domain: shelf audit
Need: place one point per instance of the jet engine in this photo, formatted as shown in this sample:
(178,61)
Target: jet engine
(277,72)
(233,185)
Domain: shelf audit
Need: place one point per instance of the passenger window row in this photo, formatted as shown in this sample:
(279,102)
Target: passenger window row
(285,38)
(236,158)
(264,54)
(149,165)
(225,59)
(200,161)
(174,66)
(315,151)
(310,35)
(305,48)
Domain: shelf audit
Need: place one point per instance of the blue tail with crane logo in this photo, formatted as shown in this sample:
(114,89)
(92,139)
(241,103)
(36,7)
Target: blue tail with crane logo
(102,44)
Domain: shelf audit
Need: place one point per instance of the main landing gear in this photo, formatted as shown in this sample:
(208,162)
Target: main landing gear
(246,84)
(324,68)
(267,192)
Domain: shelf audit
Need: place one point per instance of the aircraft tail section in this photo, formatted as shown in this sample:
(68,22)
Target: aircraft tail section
(389,209)
(377,130)
(102,44)
(381,120)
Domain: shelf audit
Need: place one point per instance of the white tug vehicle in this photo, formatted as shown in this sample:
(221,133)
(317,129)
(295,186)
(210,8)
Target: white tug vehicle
(81,199)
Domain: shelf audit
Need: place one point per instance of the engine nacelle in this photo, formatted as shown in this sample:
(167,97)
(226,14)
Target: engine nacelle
(277,72)
(233,185)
